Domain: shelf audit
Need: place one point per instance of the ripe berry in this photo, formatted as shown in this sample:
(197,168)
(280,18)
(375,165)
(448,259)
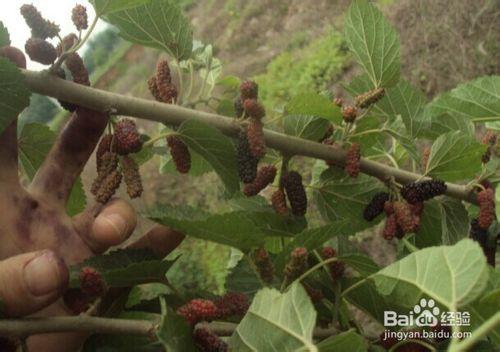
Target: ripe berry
(404,217)
(249,90)
(75,65)
(232,303)
(264,265)
(314,294)
(247,163)
(389,208)
(91,282)
(390,228)
(369,98)
(292,182)
(417,192)
(265,176)
(180,154)
(254,109)
(79,17)
(238,107)
(486,200)
(278,201)
(198,310)
(376,206)
(40,51)
(352,163)
(297,264)
(15,55)
(337,268)
(108,187)
(207,341)
(349,113)
(132,177)
(255,135)
(40,27)
(127,138)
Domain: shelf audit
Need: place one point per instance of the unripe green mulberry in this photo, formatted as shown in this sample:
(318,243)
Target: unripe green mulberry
(127,138)
(249,90)
(254,109)
(255,135)
(297,264)
(247,163)
(265,176)
(109,186)
(352,163)
(292,182)
(369,98)
(278,201)
(40,27)
(40,51)
(79,17)
(180,154)
(132,177)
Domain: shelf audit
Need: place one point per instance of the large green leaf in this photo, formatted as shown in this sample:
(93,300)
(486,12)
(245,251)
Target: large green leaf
(4,35)
(340,197)
(478,100)
(374,42)
(217,149)
(441,124)
(239,229)
(313,104)
(105,7)
(159,24)
(347,341)
(14,95)
(243,278)
(455,156)
(361,263)
(277,321)
(307,127)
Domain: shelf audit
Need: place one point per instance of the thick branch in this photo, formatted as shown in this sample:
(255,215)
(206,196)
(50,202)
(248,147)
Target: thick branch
(43,83)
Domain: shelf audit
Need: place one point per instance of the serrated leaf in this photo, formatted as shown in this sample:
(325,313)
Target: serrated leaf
(239,229)
(374,42)
(397,131)
(363,264)
(145,292)
(4,35)
(445,123)
(217,149)
(243,278)
(104,7)
(347,341)
(14,95)
(455,156)
(307,127)
(174,332)
(315,105)
(461,269)
(124,268)
(366,141)
(478,100)
(277,321)
(159,24)
(341,197)
(444,221)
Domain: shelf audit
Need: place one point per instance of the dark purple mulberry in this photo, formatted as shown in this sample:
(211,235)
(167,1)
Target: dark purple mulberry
(208,341)
(238,107)
(292,182)
(265,176)
(486,200)
(108,187)
(247,163)
(376,206)
(417,192)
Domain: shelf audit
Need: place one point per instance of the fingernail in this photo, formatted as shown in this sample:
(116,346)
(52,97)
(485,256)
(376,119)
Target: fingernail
(116,221)
(46,273)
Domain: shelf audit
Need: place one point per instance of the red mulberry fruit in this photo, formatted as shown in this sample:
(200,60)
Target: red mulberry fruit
(338,101)
(91,282)
(208,341)
(352,163)
(254,109)
(405,217)
(264,265)
(389,208)
(390,228)
(108,187)
(486,200)
(180,154)
(278,201)
(65,105)
(67,43)
(231,304)
(249,90)
(265,176)
(255,135)
(292,182)
(337,268)
(106,164)
(349,113)
(314,294)
(40,27)
(79,17)
(198,310)
(369,98)
(153,89)
(75,65)
(41,51)
(166,89)
(15,55)
(132,177)
(238,107)
(127,138)
(376,206)
(417,192)
(247,163)
(297,264)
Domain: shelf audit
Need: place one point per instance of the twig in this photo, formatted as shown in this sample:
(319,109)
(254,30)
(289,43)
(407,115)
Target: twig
(45,84)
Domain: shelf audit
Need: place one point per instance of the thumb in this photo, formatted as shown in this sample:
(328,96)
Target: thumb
(31,281)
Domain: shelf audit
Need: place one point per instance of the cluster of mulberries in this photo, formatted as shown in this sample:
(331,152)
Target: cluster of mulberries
(65,105)
(198,310)
(127,139)
(337,268)
(490,139)
(402,218)
(295,192)
(278,201)
(180,154)
(264,265)
(255,135)
(297,265)
(417,192)
(369,98)
(247,163)
(161,86)
(352,162)
(349,113)
(265,176)
(79,17)
(40,27)
(376,206)
(40,51)
(208,341)
(92,283)
(79,72)
(486,200)
(132,177)
(231,304)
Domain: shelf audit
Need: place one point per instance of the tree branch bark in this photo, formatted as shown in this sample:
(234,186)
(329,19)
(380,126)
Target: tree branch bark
(96,99)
